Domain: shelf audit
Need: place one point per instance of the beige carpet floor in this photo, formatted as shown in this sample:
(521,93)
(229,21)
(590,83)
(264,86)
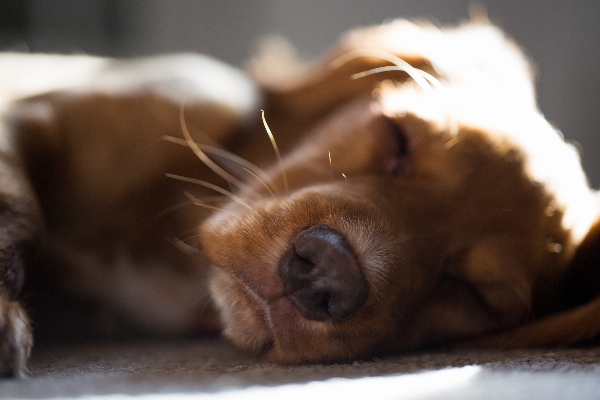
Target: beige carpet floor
(210,368)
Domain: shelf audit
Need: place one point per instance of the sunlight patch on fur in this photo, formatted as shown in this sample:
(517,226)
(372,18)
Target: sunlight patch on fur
(424,80)
(421,78)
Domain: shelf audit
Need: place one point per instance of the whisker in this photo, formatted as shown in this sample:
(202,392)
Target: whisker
(174,207)
(258,178)
(196,201)
(254,170)
(204,158)
(400,65)
(181,245)
(450,143)
(215,199)
(330,166)
(344,175)
(213,187)
(424,79)
(190,238)
(197,235)
(196,228)
(451,122)
(280,161)
(188,203)
(427,76)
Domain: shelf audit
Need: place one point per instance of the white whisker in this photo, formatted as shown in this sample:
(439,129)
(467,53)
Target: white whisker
(211,186)
(258,178)
(401,65)
(196,201)
(430,78)
(205,159)
(284,176)
(174,207)
(184,247)
(254,170)
(330,165)
(424,79)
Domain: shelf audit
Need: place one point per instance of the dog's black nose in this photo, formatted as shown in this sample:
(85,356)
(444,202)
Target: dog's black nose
(321,275)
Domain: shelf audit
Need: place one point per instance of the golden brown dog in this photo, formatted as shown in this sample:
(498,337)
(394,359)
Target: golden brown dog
(425,202)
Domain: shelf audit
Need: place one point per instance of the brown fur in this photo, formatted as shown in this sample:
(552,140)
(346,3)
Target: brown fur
(464,210)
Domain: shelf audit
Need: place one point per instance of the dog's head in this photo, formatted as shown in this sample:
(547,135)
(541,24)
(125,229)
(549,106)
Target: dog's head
(426,204)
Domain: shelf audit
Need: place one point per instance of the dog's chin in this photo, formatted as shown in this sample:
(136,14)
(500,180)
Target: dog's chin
(244,315)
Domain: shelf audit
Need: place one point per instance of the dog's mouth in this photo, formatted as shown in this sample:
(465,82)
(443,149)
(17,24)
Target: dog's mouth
(241,308)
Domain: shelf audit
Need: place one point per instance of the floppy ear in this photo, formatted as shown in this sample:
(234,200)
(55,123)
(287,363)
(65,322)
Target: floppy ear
(307,91)
(579,320)
(476,53)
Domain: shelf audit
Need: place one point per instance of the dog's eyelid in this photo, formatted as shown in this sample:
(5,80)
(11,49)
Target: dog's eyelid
(397,165)
(399,135)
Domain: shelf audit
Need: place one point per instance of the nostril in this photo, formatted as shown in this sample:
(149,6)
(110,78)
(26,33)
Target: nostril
(321,275)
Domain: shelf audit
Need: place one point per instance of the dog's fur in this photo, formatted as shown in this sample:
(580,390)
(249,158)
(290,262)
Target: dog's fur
(422,205)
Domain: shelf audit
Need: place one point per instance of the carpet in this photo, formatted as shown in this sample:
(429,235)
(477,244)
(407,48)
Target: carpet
(211,368)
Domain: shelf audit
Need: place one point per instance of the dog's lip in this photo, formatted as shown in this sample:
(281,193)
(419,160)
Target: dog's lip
(285,323)
(268,287)
(280,318)
(259,310)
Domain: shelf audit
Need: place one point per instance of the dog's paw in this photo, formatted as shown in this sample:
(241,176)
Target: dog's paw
(15,338)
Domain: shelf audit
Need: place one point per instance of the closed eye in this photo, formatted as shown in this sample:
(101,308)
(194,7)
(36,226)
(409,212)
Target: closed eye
(398,165)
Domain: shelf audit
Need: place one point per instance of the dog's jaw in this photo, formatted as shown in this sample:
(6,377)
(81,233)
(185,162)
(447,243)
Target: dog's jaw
(241,310)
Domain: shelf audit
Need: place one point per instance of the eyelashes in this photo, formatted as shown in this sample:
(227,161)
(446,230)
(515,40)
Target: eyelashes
(397,165)
(400,138)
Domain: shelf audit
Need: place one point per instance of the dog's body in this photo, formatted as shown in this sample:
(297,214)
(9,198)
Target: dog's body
(417,206)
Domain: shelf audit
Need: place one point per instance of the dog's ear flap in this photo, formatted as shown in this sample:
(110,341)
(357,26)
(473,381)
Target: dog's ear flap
(307,91)
(579,320)
(302,91)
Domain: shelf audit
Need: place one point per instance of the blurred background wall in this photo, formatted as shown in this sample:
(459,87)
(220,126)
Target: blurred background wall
(562,36)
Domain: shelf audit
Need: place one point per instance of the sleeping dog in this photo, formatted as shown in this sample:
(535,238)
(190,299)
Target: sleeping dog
(404,192)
